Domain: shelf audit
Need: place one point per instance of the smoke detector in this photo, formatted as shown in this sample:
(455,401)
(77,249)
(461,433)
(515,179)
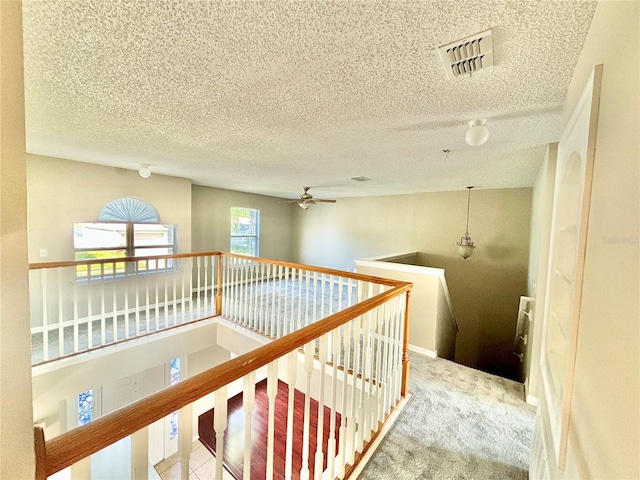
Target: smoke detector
(468,55)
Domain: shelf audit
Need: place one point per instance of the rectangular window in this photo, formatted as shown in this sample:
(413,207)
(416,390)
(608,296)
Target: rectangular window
(245,231)
(103,240)
(85,407)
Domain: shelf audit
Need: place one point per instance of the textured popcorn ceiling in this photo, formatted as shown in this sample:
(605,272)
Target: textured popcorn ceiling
(266,97)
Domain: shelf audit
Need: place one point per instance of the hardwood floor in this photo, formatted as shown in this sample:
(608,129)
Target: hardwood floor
(234,435)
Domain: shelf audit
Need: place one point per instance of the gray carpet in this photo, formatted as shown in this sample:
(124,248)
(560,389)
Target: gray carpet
(459,424)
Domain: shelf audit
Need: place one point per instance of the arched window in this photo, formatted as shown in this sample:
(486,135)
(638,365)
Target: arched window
(129,209)
(126,227)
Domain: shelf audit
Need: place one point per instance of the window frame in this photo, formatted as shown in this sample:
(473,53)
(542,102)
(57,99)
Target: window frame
(255,235)
(129,249)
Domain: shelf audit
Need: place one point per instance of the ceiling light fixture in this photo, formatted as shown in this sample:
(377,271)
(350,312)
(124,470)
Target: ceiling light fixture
(304,205)
(144,171)
(478,133)
(465,245)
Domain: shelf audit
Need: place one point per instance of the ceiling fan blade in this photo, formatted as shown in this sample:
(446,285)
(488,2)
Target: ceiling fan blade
(324,201)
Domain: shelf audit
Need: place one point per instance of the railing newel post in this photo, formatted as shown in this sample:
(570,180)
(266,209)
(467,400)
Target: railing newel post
(41,453)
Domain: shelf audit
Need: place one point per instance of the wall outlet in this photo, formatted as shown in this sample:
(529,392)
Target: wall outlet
(43,253)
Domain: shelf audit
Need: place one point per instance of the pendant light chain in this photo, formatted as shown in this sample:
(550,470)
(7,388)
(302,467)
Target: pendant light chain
(468,204)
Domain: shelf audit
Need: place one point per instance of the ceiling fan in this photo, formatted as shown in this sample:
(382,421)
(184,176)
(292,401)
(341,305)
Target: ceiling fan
(306,199)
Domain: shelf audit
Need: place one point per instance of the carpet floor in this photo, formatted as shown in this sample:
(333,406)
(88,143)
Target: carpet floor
(460,423)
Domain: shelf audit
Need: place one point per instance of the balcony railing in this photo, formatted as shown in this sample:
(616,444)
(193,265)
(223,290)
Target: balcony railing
(346,334)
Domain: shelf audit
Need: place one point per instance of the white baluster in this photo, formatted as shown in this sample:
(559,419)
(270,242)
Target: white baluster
(60,314)
(286,315)
(309,350)
(377,397)
(185,432)
(272,391)
(137,306)
(81,470)
(147,311)
(219,426)
(140,454)
(103,326)
(198,270)
(45,314)
(300,304)
(248,404)
(189,295)
(205,289)
(166,299)
(157,299)
(276,298)
(126,302)
(331,444)
(322,356)
(114,307)
(315,296)
(75,317)
(292,363)
(346,405)
(179,265)
(353,418)
(89,308)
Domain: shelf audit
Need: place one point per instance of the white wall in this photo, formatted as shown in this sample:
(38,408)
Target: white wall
(604,440)
(16,427)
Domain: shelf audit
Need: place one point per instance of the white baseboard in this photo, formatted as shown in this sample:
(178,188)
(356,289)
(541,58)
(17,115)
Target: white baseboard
(531,400)
(423,351)
(385,429)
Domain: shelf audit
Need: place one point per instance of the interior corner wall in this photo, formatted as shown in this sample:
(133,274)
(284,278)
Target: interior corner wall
(61,192)
(604,428)
(17,459)
(212,221)
(485,289)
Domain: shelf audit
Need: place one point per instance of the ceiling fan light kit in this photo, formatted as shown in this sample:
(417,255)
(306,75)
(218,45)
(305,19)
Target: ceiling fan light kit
(306,200)
(477,134)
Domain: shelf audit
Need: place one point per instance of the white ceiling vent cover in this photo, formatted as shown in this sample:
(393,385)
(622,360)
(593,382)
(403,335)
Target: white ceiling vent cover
(468,55)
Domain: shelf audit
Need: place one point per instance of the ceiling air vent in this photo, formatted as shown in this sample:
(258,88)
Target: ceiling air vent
(468,55)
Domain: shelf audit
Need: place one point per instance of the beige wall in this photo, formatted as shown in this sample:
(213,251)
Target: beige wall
(61,192)
(485,289)
(212,224)
(334,235)
(604,425)
(16,427)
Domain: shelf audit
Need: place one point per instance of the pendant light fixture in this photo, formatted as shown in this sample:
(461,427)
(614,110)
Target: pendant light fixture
(465,245)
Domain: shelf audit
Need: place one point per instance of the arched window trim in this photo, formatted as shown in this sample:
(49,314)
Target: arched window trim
(129,209)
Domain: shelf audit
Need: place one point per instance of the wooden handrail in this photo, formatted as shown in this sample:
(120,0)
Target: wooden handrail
(98,261)
(70,447)
(312,268)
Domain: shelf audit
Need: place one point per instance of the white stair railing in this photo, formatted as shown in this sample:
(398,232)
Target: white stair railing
(79,306)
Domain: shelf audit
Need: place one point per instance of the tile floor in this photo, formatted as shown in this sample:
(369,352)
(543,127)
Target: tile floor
(201,465)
